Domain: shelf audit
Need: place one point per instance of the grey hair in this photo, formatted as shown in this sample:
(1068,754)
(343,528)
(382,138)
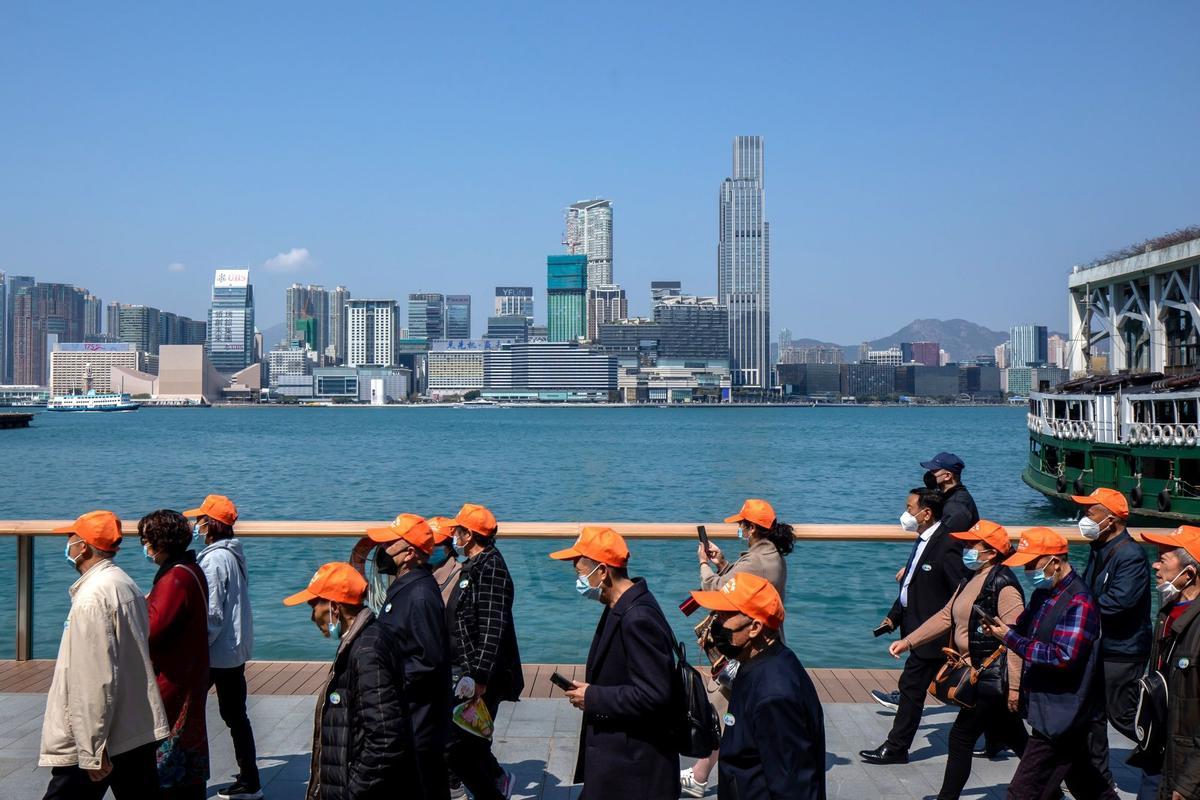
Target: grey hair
(1186,559)
(110,554)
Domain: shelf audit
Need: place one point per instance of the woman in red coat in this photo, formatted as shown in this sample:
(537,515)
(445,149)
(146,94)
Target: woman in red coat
(178,606)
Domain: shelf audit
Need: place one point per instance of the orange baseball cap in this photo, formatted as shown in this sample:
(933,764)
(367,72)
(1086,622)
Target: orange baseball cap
(748,594)
(990,533)
(443,528)
(100,529)
(1111,499)
(409,527)
(1037,542)
(1185,536)
(476,518)
(336,581)
(757,511)
(217,506)
(602,545)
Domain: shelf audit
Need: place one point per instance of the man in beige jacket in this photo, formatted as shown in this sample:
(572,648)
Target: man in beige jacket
(104,716)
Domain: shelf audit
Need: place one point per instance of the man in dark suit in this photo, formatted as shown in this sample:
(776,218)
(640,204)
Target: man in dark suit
(959,513)
(626,746)
(930,577)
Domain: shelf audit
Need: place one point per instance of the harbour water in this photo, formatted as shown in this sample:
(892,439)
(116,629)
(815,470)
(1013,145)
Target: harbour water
(832,465)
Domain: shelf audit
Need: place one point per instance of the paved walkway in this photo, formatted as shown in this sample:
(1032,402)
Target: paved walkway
(536,739)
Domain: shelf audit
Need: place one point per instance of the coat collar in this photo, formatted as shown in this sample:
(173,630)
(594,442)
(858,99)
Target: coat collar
(406,580)
(364,618)
(100,567)
(607,628)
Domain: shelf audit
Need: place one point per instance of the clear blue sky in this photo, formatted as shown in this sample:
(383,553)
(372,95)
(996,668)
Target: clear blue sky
(923,160)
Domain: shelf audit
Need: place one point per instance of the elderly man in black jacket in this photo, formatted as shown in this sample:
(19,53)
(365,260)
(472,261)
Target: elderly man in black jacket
(362,737)
(773,745)
(486,660)
(958,507)
(932,574)
(1118,575)
(414,614)
(626,747)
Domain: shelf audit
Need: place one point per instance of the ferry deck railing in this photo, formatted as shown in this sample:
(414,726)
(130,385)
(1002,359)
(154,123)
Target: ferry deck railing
(27,531)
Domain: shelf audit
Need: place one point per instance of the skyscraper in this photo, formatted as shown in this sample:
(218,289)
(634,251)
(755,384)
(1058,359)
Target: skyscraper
(307,302)
(15,284)
(458,316)
(566,297)
(589,232)
(140,326)
(605,304)
(337,323)
(514,300)
(370,333)
(3,327)
(230,333)
(426,316)
(41,312)
(112,319)
(93,316)
(1028,346)
(744,265)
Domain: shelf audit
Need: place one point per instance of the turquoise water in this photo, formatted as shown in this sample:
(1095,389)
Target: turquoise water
(611,464)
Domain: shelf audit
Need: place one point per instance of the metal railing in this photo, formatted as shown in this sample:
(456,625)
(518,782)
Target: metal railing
(26,532)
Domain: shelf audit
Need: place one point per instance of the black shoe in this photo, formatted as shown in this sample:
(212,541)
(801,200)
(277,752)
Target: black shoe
(239,791)
(884,755)
(991,753)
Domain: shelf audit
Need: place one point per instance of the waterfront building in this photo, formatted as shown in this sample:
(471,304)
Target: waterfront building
(514,301)
(76,367)
(1001,354)
(660,290)
(43,314)
(371,333)
(934,382)
(927,353)
(511,327)
(550,372)
(230,334)
(413,355)
(539,333)
(1027,346)
(139,326)
(458,316)
(288,362)
(605,304)
(426,316)
(869,381)
(812,380)
(11,395)
(384,385)
(684,328)
(589,231)
(744,265)
(307,303)
(93,316)
(175,329)
(7,320)
(455,366)
(893,357)
(3,327)
(566,296)
(337,325)
(337,383)
(817,354)
(979,381)
(672,382)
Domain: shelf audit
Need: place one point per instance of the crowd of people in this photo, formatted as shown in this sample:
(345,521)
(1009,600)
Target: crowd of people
(426,651)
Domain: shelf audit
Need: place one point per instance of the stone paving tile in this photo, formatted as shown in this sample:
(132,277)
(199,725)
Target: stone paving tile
(537,741)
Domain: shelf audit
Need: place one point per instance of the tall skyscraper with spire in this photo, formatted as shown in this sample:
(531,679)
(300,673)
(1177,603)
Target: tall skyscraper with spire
(744,265)
(589,231)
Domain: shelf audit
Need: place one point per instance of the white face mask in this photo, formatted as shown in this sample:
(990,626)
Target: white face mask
(1168,592)
(908,522)
(1089,529)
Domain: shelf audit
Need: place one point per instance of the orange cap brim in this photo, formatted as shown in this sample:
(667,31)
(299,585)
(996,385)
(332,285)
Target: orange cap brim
(382,535)
(442,535)
(968,536)
(570,554)
(1165,539)
(302,596)
(195,512)
(1020,559)
(735,518)
(716,601)
(65,529)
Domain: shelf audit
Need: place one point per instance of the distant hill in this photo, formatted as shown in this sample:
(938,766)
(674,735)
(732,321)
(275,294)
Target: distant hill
(273,335)
(961,339)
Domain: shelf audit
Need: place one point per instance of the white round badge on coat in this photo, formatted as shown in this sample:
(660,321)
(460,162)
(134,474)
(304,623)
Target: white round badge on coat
(926,568)
(387,608)
(1184,662)
(464,583)
(335,698)
(728,719)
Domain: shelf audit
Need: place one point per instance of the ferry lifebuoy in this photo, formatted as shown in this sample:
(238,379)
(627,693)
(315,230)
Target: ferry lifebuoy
(1189,435)
(1156,434)
(1179,435)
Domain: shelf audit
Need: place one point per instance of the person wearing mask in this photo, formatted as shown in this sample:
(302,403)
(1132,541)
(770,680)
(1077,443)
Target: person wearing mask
(486,660)
(959,512)
(1055,637)
(413,613)
(773,742)
(768,541)
(931,576)
(1118,575)
(230,633)
(362,746)
(444,561)
(993,588)
(178,608)
(626,745)
(104,716)
(1175,654)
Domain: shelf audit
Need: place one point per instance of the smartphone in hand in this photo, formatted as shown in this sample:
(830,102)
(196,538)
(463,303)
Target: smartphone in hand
(882,629)
(702,533)
(979,610)
(562,682)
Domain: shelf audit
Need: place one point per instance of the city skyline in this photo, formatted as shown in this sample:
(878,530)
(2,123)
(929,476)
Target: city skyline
(933,186)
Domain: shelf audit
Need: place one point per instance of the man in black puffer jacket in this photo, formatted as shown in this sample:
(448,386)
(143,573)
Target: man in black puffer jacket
(362,734)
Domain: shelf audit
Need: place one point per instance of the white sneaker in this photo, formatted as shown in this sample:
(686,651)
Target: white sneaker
(689,786)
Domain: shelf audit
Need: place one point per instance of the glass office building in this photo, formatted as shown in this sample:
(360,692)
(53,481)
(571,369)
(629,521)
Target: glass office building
(458,316)
(230,341)
(566,297)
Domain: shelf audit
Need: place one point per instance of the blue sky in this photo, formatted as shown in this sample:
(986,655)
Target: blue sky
(922,160)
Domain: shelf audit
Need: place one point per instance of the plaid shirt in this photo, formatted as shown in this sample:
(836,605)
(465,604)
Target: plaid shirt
(1077,630)
(483,614)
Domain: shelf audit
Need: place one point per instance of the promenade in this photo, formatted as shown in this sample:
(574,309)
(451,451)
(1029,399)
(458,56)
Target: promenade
(535,738)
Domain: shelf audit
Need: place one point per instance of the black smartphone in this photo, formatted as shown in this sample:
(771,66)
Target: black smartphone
(689,606)
(703,534)
(882,629)
(561,682)
(979,610)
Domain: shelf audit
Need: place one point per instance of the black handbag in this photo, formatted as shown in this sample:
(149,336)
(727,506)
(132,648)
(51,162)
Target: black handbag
(698,731)
(957,682)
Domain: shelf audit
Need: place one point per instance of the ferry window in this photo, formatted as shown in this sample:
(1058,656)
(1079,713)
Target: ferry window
(1075,458)
(1051,456)
(1130,465)
(1156,468)
(1060,409)
(1164,411)
(1187,412)
(1189,476)
(1033,407)
(1035,446)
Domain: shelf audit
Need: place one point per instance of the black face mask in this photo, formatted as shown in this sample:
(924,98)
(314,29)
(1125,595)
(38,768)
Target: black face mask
(930,481)
(722,639)
(384,564)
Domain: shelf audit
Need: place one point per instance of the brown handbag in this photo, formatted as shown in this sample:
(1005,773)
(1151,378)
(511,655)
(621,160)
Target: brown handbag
(957,681)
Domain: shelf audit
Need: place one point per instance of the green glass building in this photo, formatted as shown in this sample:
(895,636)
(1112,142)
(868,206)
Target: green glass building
(566,297)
